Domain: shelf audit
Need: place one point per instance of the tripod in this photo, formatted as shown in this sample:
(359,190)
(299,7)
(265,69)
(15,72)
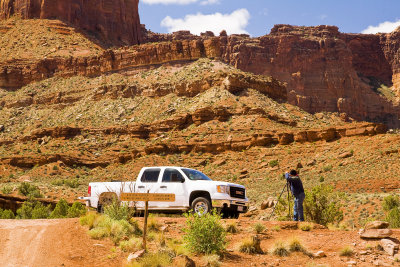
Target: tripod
(287,188)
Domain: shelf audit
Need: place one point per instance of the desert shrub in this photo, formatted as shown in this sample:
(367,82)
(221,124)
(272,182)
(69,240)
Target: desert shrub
(346,251)
(76,210)
(279,249)
(152,224)
(390,202)
(393,217)
(40,211)
(211,260)
(74,183)
(98,233)
(136,227)
(250,246)
(7,189)
(61,209)
(273,163)
(117,211)
(322,205)
(25,211)
(30,190)
(119,230)
(177,248)
(276,228)
(204,233)
(153,259)
(259,228)
(89,219)
(305,226)
(6,214)
(296,246)
(128,245)
(231,228)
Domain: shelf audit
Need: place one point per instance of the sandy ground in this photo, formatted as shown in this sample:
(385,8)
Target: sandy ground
(60,242)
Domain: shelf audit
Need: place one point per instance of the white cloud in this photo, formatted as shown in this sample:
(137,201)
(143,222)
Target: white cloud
(384,27)
(209,2)
(236,22)
(322,16)
(168,2)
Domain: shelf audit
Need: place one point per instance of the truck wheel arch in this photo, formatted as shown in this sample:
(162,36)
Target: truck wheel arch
(196,194)
(106,198)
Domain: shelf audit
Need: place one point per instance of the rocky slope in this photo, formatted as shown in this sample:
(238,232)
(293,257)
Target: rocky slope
(324,70)
(114,21)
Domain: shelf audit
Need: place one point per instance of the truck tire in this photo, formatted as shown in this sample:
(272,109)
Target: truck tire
(235,215)
(201,205)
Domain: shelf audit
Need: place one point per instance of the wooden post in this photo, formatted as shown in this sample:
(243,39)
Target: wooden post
(146,213)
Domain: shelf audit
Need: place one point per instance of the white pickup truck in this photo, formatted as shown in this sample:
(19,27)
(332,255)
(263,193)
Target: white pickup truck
(193,191)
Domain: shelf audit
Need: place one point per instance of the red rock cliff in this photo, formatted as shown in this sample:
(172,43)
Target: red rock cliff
(114,21)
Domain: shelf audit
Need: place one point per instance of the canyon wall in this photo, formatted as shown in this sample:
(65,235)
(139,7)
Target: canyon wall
(113,21)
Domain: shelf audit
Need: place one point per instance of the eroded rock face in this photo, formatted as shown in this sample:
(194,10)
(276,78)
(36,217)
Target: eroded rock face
(115,21)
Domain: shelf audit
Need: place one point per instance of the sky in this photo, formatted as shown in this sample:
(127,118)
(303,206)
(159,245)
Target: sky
(257,17)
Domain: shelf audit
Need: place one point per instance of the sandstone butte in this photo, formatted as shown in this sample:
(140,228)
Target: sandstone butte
(116,21)
(324,70)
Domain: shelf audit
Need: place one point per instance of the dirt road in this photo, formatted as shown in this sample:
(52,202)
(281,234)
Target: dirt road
(60,242)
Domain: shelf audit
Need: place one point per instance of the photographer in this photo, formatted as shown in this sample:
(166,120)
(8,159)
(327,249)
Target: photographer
(296,186)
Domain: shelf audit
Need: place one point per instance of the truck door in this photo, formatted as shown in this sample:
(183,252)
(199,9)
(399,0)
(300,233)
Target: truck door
(172,182)
(148,182)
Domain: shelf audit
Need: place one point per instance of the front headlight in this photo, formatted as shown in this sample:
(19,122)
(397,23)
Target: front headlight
(223,189)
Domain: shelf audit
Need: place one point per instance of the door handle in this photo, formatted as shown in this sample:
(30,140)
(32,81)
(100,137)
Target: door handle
(140,186)
(163,186)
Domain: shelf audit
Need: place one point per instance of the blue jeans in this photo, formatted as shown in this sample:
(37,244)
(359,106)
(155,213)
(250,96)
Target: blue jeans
(298,214)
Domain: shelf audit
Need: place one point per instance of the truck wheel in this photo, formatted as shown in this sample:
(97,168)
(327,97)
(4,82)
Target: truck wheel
(235,215)
(201,205)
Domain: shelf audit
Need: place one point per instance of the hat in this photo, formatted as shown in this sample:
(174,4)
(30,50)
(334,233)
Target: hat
(293,172)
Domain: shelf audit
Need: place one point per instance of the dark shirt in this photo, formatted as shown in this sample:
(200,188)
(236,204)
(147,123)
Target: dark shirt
(295,184)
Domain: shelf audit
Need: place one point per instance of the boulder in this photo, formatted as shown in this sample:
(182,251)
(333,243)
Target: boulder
(319,254)
(345,155)
(389,246)
(377,225)
(375,233)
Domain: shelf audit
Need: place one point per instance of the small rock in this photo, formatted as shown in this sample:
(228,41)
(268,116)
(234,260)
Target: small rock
(319,254)
(299,165)
(2,128)
(389,246)
(135,255)
(363,252)
(351,262)
(311,163)
(164,228)
(98,245)
(377,225)
(376,233)
(345,155)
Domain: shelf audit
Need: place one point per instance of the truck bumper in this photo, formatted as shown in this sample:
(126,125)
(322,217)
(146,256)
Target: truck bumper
(86,199)
(241,206)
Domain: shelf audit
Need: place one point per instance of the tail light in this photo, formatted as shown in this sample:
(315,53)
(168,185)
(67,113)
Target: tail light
(89,191)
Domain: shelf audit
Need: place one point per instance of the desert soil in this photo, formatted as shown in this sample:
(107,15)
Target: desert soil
(63,242)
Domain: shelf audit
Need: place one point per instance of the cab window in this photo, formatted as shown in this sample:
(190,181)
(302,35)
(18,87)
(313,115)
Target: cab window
(150,176)
(172,176)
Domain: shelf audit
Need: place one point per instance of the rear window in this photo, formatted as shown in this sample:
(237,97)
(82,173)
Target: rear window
(150,176)
(172,176)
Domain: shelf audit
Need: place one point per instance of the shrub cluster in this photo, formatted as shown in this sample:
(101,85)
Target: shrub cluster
(6,214)
(30,190)
(204,233)
(116,211)
(391,204)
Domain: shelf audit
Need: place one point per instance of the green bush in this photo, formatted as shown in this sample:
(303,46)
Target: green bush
(7,189)
(40,211)
(390,202)
(117,211)
(280,249)
(76,210)
(119,230)
(393,217)
(259,228)
(322,205)
(89,219)
(232,228)
(273,163)
(30,190)
(6,214)
(61,210)
(74,183)
(25,211)
(204,233)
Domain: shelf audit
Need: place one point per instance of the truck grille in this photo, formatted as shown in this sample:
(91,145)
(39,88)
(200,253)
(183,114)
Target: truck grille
(237,192)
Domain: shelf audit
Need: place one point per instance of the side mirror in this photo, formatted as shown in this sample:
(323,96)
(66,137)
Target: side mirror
(182,180)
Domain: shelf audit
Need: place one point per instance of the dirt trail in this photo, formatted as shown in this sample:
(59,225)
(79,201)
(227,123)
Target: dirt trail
(60,242)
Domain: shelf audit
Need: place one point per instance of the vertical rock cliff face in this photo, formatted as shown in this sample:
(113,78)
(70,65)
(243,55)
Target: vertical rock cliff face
(391,47)
(114,21)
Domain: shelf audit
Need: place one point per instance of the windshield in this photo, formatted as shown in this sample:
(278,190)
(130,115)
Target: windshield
(195,175)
